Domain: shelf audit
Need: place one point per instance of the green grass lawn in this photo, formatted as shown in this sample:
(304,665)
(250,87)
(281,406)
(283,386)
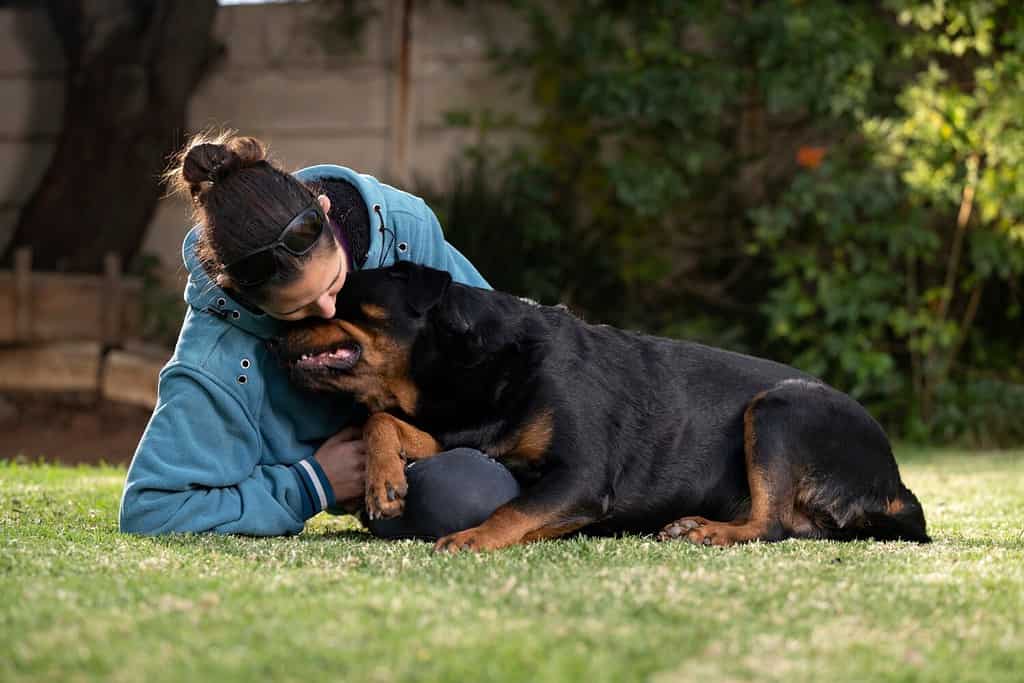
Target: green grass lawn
(78,601)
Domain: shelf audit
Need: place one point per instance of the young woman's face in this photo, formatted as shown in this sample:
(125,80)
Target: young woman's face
(314,293)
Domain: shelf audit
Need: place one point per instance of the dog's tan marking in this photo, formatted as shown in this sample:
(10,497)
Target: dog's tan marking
(762,497)
(374,311)
(384,383)
(535,437)
(391,442)
(507,526)
(805,518)
(380,379)
(552,531)
(531,442)
(894,507)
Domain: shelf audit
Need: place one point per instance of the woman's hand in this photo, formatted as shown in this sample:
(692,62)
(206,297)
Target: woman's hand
(343,459)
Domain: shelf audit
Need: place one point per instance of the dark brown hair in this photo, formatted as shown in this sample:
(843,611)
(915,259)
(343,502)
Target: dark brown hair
(242,200)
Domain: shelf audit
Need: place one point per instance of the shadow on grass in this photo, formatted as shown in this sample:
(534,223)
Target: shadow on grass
(328,540)
(239,544)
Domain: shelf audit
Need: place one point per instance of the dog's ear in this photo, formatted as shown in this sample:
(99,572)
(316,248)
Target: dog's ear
(426,287)
(469,331)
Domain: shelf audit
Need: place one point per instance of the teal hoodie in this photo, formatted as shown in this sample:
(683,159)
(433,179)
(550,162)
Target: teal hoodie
(229,447)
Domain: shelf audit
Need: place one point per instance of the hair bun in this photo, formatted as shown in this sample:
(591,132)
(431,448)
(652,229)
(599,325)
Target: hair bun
(208,162)
(212,162)
(248,151)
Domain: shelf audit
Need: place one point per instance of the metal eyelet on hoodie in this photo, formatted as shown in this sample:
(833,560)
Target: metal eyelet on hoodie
(403,247)
(236,315)
(221,301)
(242,379)
(246,363)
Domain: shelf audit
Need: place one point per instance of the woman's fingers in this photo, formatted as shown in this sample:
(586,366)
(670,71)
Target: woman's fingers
(351,433)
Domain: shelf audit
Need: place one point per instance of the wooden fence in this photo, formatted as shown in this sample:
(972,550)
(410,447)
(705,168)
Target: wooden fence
(64,333)
(40,307)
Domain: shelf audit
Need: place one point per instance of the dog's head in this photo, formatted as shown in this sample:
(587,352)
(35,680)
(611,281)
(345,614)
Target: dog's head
(366,349)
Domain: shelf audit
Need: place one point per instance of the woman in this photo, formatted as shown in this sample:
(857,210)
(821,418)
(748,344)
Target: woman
(232,447)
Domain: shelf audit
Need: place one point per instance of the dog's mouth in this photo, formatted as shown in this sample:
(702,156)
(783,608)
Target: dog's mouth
(338,358)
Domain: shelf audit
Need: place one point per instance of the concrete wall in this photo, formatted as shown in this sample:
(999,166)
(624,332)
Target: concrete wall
(279,83)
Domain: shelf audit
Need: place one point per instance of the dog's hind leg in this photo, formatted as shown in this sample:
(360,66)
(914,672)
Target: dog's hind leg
(771,494)
(771,497)
(818,467)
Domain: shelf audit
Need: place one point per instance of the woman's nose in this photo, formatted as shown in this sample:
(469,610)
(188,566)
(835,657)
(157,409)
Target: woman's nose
(326,306)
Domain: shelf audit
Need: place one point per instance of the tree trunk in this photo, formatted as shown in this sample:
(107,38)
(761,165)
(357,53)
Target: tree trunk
(131,67)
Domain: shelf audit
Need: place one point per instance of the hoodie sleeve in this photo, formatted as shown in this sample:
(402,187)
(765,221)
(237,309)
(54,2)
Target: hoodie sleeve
(197,469)
(431,249)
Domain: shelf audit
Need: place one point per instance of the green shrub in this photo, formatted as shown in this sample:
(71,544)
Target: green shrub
(666,188)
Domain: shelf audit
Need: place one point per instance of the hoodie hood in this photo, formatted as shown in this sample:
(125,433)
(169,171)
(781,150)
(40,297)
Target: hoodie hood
(203,295)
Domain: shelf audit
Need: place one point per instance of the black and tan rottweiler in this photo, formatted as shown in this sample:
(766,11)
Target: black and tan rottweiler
(606,430)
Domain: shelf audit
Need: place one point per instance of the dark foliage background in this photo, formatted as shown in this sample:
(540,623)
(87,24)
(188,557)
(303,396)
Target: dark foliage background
(833,184)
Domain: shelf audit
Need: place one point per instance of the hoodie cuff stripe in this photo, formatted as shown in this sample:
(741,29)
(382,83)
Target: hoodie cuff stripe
(317,486)
(319,494)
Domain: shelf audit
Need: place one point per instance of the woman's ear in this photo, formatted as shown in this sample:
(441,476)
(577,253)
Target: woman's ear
(325,203)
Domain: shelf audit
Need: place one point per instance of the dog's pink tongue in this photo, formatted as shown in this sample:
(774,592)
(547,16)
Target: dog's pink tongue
(342,356)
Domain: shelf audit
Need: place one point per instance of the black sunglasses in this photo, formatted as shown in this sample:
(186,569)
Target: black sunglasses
(298,237)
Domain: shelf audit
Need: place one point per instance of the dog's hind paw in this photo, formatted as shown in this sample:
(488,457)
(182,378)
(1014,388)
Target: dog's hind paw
(687,528)
(701,531)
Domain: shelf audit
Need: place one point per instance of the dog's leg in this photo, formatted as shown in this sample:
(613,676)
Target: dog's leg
(771,481)
(390,443)
(818,466)
(548,509)
(508,526)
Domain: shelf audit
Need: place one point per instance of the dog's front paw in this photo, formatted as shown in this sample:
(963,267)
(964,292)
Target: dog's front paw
(385,489)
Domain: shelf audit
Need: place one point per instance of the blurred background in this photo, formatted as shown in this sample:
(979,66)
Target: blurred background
(833,184)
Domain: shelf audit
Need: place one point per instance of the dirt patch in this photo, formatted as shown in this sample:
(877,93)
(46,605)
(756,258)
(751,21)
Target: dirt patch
(69,429)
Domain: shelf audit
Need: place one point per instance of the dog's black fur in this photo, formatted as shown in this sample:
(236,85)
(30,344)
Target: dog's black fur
(643,430)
